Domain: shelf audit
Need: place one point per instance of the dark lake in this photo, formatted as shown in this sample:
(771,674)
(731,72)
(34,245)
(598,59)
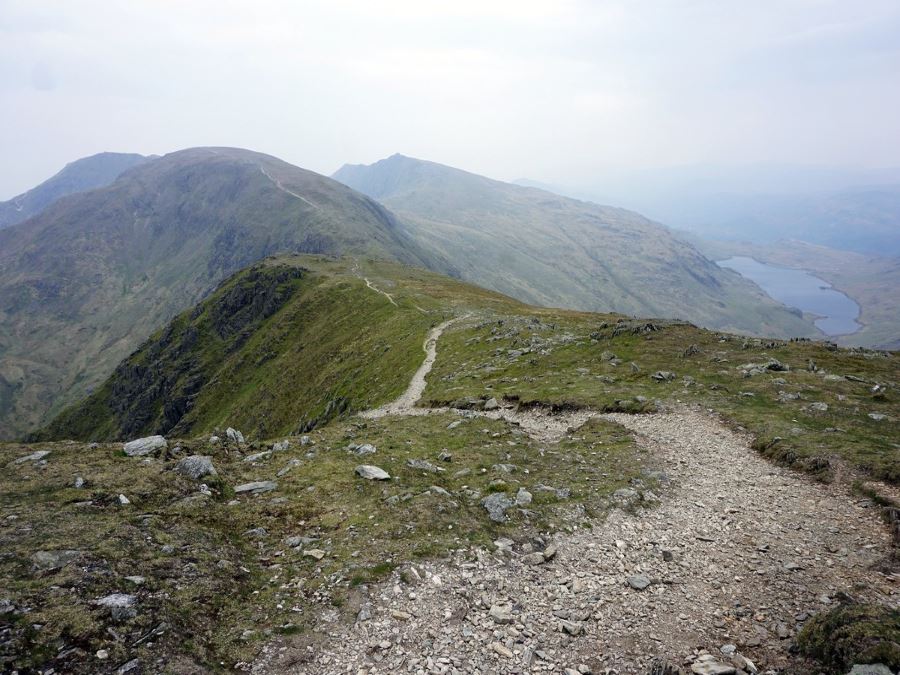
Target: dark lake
(796,288)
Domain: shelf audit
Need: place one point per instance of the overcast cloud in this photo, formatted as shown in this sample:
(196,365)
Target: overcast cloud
(550,90)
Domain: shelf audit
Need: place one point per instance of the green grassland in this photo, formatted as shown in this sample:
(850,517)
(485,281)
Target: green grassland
(567,359)
(214,586)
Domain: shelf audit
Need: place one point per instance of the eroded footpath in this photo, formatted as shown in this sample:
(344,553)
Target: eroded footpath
(732,561)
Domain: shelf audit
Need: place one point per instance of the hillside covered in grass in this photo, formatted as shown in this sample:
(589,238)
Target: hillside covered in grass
(90,277)
(214,545)
(550,250)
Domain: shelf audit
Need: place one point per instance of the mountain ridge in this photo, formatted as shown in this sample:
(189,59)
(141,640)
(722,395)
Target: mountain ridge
(512,238)
(87,173)
(88,278)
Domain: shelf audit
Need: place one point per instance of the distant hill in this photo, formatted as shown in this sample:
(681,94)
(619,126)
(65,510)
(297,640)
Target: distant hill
(84,281)
(546,249)
(84,174)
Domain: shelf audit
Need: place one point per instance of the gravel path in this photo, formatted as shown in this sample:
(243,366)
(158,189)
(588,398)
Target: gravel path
(755,549)
(405,403)
(738,554)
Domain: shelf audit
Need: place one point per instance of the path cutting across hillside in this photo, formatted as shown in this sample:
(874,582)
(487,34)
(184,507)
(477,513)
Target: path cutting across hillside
(738,554)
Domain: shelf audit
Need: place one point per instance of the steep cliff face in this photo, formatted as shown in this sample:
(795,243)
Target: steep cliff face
(152,391)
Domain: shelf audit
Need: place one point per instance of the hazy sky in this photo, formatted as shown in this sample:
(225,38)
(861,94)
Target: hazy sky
(550,90)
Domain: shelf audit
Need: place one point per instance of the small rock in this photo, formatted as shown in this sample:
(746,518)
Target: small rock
(79,482)
(234,436)
(144,446)
(136,580)
(102,654)
(287,467)
(536,558)
(707,665)
(256,487)
(423,465)
(123,500)
(281,446)
(257,456)
(33,457)
(51,560)
(196,466)
(133,666)
(626,497)
(549,553)
(501,614)
(445,456)
(572,627)
(315,553)
(496,505)
(491,404)
(663,376)
(870,669)
(501,650)
(523,497)
(400,615)
(370,472)
(638,582)
(878,417)
(256,533)
(120,605)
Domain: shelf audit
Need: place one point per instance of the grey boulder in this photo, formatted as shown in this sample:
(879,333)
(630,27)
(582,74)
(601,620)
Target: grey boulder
(196,466)
(496,504)
(144,446)
(370,472)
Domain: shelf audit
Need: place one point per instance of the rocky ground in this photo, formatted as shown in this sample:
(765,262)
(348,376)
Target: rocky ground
(718,575)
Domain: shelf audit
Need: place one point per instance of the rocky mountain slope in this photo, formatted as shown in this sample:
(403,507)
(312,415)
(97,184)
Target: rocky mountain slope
(81,175)
(552,250)
(84,281)
(429,475)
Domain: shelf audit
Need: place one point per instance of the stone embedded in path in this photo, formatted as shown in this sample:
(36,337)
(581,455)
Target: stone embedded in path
(707,665)
(144,446)
(638,582)
(501,650)
(501,614)
(572,627)
(370,472)
(496,505)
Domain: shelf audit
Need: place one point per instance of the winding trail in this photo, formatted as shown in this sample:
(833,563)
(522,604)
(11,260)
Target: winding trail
(384,293)
(405,404)
(281,187)
(737,551)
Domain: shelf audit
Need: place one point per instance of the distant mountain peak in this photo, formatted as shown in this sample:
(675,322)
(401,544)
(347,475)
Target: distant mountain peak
(87,173)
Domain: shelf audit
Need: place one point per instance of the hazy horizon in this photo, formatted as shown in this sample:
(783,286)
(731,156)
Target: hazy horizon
(555,92)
